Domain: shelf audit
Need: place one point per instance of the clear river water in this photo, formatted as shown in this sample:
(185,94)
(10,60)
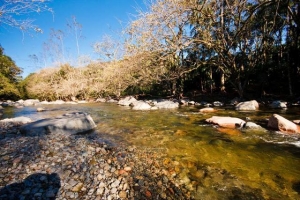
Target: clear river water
(211,161)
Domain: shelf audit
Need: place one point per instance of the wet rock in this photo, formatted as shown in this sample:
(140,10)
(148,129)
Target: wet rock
(247,105)
(252,125)
(226,122)
(218,103)
(70,123)
(278,104)
(279,123)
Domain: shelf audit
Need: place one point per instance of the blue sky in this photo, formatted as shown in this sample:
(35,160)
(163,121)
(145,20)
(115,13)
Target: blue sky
(97,17)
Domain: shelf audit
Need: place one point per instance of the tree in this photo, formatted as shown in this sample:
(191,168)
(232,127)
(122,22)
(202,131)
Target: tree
(9,76)
(10,9)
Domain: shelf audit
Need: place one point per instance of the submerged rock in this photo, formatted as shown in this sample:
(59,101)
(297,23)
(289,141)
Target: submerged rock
(252,125)
(247,105)
(70,123)
(207,110)
(279,123)
(226,122)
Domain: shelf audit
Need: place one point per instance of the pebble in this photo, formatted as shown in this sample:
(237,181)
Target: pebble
(61,167)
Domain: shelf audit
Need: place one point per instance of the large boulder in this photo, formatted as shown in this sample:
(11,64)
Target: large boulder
(281,124)
(71,123)
(247,105)
(140,105)
(126,101)
(167,104)
(226,122)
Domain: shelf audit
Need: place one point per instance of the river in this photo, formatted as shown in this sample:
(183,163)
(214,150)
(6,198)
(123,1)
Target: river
(211,162)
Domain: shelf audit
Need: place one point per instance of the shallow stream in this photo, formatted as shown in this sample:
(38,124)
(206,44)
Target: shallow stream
(214,163)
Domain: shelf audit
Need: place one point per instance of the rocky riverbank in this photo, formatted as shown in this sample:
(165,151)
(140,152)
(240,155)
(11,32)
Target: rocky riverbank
(60,166)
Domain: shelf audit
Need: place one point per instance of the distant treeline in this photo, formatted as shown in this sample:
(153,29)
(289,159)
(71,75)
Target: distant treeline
(245,48)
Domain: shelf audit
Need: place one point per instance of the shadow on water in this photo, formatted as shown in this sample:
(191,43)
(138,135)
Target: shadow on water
(35,186)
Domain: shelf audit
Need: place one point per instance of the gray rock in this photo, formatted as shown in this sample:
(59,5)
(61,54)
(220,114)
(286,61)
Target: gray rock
(252,125)
(140,105)
(127,101)
(247,105)
(218,103)
(191,102)
(102,100)
(30,102)
(70,123)
(167,104)
(278,104)
(21,120)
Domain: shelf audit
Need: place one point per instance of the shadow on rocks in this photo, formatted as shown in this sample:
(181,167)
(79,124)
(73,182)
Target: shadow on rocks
(35,186)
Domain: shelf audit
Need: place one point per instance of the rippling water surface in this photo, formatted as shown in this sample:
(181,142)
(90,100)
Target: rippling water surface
(215,163)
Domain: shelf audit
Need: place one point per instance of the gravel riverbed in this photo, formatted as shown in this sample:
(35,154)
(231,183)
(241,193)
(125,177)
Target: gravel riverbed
(82,166)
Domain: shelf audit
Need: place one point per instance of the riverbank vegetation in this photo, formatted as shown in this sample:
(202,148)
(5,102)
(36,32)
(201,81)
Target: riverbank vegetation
(185,47)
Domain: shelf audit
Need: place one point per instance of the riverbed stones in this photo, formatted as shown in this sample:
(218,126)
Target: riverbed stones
(281,124)
(247,105)
(226,122)
(70,123)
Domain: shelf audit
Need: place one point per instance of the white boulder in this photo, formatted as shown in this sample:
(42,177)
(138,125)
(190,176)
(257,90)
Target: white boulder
(247,105)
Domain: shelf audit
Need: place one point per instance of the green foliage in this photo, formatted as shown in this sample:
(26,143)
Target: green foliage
(9,77)
(7,89)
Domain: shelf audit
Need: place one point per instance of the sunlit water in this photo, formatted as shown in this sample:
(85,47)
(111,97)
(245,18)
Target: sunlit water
(215,163)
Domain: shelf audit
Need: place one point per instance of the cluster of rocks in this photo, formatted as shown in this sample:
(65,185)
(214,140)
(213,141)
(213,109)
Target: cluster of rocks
(275,122)
(149,104)
(46,160)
